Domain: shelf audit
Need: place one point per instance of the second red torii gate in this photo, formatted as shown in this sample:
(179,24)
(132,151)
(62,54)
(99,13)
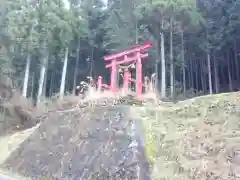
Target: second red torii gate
(135,54)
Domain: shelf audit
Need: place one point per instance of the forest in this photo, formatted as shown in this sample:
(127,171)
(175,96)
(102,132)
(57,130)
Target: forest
(48,47)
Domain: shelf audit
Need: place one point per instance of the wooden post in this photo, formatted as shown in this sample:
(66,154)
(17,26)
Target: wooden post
(126,80)
(146,84)
(99,84)
(113,76)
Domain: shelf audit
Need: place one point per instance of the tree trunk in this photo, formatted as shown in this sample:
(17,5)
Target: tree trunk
(209,65)
(172,83)
(27,68)
(26,76)
(76,68)
(45,83)
(157,64)
(136,28)
(51,84)
(183,62)
(33,81)
(91,63)
(196,73)
(203,82)
(209,73)
(223,78)
(229,73)
(64,72)
(41,79)
(163,64)
(216,74)
(191,78)
(156,77)
(236,61)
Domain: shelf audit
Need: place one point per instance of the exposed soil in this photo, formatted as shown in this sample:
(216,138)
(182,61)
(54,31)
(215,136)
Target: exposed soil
(85,143)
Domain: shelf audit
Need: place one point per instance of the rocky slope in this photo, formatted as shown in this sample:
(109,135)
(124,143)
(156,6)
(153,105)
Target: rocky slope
(100,142)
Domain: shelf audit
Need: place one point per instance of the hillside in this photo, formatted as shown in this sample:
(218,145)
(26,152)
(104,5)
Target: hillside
(92,142)
(195,139)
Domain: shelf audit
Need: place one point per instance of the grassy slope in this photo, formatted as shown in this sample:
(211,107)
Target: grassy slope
(194,139)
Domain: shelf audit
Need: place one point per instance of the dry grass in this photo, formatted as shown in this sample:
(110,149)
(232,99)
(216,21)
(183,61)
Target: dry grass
(16,114)
(11,142)
(197,139)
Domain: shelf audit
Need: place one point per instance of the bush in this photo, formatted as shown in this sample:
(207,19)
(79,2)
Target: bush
(15,112)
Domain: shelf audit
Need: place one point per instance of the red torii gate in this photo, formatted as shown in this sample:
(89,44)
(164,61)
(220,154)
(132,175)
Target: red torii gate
(135,54)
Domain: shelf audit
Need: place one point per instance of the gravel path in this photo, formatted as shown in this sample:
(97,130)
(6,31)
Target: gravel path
(89,143)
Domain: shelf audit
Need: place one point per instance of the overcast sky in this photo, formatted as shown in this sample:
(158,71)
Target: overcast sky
(105,1)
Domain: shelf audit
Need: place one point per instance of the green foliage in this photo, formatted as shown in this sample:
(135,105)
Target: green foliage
(30,27)
(122,22)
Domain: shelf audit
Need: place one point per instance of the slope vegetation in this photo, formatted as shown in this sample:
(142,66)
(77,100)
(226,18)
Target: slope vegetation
(197,139)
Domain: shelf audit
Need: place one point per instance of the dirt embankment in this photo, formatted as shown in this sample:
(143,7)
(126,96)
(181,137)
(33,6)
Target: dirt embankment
(94,142)
(197,139)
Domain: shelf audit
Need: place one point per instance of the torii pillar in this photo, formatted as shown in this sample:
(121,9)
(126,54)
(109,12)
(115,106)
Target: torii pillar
(114,72)
(139,75)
